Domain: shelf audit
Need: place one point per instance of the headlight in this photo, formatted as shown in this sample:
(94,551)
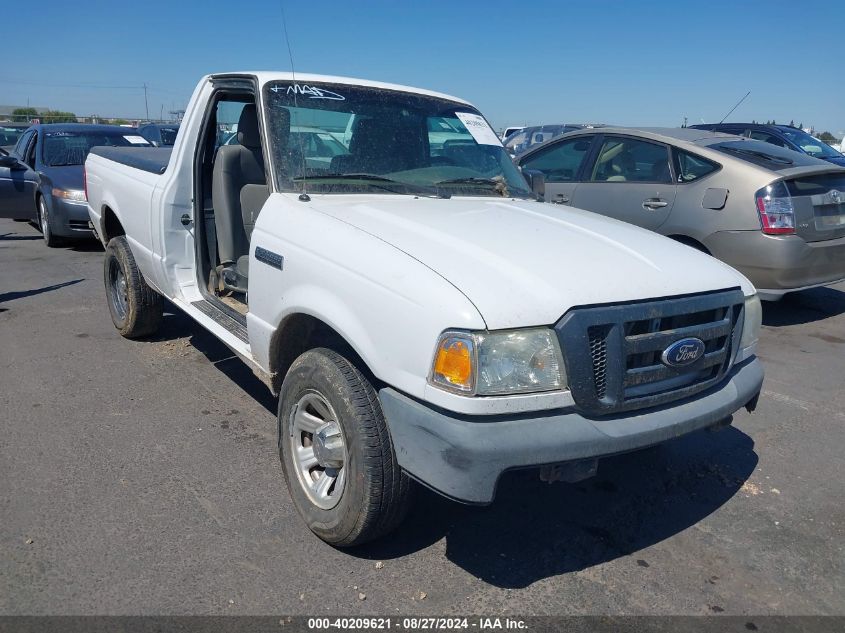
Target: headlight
(753,322)
(498,363)
(76,195)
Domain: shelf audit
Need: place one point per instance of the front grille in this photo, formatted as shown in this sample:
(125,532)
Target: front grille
(613,352)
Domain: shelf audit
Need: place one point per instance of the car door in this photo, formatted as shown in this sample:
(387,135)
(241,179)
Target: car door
(629,179)
(562,164)
(18,181)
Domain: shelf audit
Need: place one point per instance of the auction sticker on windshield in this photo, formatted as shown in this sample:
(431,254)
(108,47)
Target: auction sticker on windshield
(136,140)
(478,127)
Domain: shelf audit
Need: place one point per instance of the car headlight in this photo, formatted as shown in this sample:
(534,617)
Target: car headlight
(75,195)
(498,363)
(752,323)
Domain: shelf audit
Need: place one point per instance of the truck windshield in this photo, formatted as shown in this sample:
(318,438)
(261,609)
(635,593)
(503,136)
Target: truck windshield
(390,142)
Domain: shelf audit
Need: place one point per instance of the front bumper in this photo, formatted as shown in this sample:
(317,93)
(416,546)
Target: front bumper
(462,457)
(777,264)
(70,219)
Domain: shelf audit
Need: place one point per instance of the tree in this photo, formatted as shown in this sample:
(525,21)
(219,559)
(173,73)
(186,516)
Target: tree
(827,137)
(791,122)
(24,114)
(58,116)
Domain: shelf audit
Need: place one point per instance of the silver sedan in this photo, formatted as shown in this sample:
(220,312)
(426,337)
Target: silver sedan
(775,215)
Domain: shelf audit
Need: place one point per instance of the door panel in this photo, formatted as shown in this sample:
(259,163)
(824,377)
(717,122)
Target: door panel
(629,179)
(17,193)
(562,165)
(644,204)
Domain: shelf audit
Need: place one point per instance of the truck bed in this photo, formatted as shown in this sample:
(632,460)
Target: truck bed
(151,159)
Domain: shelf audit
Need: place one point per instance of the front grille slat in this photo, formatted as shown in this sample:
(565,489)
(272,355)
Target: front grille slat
(654,373)
(613,352)
(660,340)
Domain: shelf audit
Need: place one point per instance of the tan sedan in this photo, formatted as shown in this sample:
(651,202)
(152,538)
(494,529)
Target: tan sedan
(775,215)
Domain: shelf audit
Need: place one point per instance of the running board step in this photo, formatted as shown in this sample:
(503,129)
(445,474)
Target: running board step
(236,327)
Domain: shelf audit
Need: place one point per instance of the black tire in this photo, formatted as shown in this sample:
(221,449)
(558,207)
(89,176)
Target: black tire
(135,308)
(45,224)
(375,494)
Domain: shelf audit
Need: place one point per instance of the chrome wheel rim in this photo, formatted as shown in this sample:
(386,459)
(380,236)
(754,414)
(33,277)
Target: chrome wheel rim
(45,225)
(318,448)
(118,292)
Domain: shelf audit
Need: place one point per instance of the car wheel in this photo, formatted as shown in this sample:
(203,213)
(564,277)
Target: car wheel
(136,309)
(336,451)
(45,223)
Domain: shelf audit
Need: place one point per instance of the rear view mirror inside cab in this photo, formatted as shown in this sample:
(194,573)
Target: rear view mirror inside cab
(582,146)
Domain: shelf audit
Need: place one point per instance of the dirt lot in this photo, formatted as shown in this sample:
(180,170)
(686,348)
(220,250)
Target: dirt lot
(142,477)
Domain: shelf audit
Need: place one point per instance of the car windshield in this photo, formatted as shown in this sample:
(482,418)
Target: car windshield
(168,135)
(9,135)
(813,146)
(389,142)
(63,148)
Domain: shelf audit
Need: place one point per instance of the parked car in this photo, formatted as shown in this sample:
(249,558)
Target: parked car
(511,130)
(528,137)
(420,316)
(42,177)
(775,215)
(159,134)
(10,133)
(781,135)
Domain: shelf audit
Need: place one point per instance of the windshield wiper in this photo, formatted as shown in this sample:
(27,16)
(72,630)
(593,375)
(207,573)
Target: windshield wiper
(763,155)
(497,184)
(375,178)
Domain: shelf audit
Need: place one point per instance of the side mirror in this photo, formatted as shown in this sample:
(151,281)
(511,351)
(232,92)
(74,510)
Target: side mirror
(9,161)
(536,182)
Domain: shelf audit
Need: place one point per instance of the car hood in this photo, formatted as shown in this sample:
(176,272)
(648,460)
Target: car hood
(837,160)
(526,263)
(65,177)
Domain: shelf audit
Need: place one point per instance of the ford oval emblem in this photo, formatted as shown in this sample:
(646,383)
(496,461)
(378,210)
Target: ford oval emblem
(682,353)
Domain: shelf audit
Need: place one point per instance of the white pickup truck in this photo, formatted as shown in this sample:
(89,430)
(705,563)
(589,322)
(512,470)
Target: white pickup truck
(420,315)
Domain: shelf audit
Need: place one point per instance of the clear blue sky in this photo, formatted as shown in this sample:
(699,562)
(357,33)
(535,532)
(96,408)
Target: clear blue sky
(631,63)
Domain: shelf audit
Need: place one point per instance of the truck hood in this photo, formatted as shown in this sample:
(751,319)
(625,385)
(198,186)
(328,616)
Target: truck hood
(527,263)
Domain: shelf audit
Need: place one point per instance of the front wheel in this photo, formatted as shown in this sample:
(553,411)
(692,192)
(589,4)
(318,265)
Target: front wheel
(136,309)
(45,223)
(336,451)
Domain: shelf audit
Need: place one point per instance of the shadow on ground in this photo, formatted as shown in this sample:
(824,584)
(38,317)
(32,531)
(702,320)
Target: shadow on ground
(176,324)
(14,237)
(807,306)
(536,530)
(11,296)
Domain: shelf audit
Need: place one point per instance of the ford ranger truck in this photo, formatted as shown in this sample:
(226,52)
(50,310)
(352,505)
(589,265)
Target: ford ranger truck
(419,314)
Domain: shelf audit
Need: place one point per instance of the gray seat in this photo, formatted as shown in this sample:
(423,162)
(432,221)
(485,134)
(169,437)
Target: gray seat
(236,167)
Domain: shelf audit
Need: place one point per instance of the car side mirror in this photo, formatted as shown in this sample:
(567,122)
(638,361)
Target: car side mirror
(536,182)
(10,161)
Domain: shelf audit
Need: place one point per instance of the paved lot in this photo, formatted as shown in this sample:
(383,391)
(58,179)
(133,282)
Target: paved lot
(143,478)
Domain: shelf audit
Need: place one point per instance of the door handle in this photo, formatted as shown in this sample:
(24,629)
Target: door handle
(561,199)
(654,203)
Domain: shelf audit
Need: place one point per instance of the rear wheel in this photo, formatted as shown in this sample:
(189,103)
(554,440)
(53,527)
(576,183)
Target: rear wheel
(136,309)
(336,451)
(45,223)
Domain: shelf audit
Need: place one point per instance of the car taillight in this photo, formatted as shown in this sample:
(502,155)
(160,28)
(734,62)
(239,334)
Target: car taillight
(85,182)
(777,215)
